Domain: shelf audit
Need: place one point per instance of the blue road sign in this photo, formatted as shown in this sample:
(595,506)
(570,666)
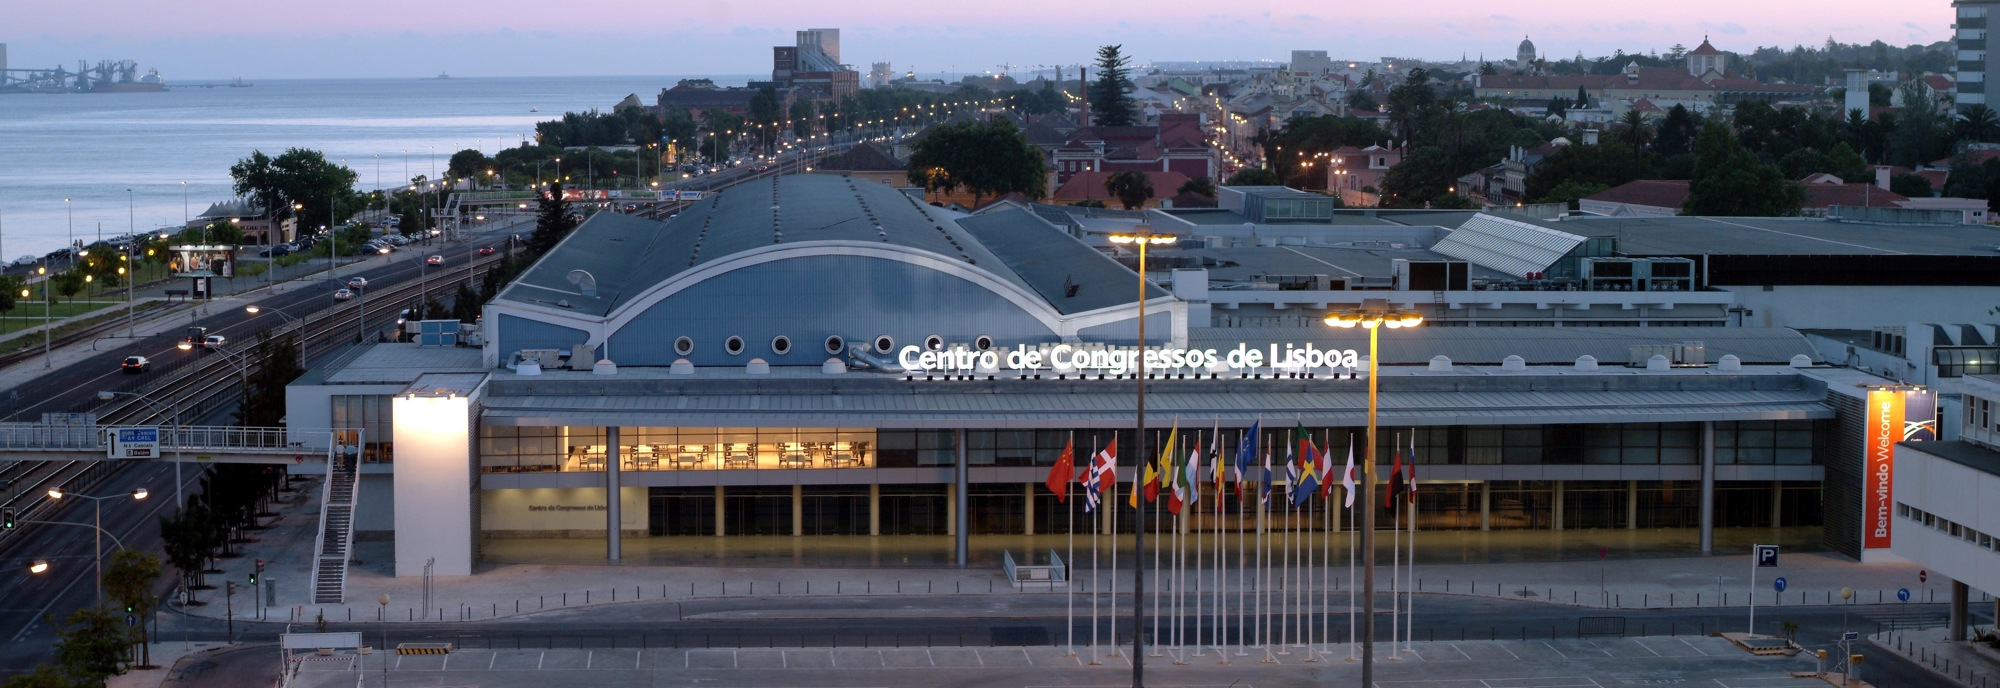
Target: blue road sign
(131,620)
(1778,584)
(1851,635)
(1902,594)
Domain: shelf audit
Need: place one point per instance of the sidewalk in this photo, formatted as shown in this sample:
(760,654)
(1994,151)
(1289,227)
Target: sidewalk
(1961,664)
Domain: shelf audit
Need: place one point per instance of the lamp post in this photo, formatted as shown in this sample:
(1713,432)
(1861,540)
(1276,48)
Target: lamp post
(97,554)
(288,319)
(1373,314)
(1140,237)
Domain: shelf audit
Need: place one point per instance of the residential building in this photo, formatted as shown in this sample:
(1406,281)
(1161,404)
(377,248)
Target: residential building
(1176,144)
(1974,61)
(870,162)
(1705,78)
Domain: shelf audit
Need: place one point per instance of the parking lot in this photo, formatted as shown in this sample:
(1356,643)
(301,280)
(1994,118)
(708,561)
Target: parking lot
(1703,661)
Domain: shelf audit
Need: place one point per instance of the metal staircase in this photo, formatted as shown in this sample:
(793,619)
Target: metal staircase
(336,527)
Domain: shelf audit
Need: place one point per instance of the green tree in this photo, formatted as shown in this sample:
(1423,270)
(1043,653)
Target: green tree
(1911,185)
(10,291)
(1677,131)
(44,676)
(129,580)
(90,646)
(765,110)
(982,158)
(1977,122)
(1253,176)
(1410,104)
(1636,131)
(1361,101)
(263,403)
(1730,181)
(181,540)
(1132,188)
(1198,186)
(465,304)
(1109,105)
(69,282)
(802,118)
(1558,107)
(553,221)
(467,164)
(1569,192)
(299,176)
(1422,176)
(1841,162)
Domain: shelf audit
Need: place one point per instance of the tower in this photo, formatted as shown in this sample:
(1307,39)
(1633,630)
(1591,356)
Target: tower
(1704,59)
(1525,55)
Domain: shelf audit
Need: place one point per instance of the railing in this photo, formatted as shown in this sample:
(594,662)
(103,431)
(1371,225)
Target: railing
(1020,576)
(97,438)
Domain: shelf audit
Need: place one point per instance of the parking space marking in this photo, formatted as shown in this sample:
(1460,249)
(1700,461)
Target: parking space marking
(1552,648)
(542,656)
(1692,647)
(1461,653)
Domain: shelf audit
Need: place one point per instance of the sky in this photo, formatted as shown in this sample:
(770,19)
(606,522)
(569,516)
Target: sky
(219,39)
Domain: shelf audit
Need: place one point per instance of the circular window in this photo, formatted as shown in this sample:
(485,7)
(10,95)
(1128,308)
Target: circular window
(835,344)
(884,344)
(934,343)
(684,346)
(983,343)
(781,345)
(734,345)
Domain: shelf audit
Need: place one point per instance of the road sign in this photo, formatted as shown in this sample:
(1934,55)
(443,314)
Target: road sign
(1902,594)
(1779,584)
(131,621)
(1851,635)
(1923,576)
(1767,556)
(135,443)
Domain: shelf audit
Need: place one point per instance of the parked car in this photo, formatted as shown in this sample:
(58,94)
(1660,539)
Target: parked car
(275,251)
(215,341)
(134,365)
(434,260)
(342,294)
(357,282)
(25,260)
(485,250)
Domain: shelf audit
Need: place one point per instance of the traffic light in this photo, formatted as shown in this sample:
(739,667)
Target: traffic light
(253,577)
(7,518)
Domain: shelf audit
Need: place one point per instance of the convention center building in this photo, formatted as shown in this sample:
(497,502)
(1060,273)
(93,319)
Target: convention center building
(819,360)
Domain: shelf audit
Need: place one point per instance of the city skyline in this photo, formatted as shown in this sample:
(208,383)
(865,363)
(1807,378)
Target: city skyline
(378,39)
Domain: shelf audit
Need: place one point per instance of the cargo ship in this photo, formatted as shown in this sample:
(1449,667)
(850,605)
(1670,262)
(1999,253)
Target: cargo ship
(106,77)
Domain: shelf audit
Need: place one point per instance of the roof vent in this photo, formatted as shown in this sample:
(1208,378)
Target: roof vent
(528,368)
(757,366)
(1586,363)
(1514,363)
(1658,364)
(604,367)
(681,367)
(1440,364)
(584,281)
(833,366)
(1801,361)
(1729,363)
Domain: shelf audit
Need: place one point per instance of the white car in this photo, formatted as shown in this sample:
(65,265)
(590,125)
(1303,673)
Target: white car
(357,282)
(25,260)
(215,341)
(342,294)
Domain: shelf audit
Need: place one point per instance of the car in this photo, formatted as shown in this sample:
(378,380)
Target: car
(434,260)
(25,260)
(629,207)
(134,365)
(214,341)
(342,294)
(357,282)
(485,250)
(274,251)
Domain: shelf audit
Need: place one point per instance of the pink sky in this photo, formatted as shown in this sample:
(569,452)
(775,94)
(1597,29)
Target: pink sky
(359,38)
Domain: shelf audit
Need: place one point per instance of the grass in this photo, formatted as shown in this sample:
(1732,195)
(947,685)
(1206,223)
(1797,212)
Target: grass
(7,325)
(29,314)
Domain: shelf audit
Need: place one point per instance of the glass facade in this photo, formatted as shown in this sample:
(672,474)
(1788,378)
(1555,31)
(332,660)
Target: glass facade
(505,449)
(365,417)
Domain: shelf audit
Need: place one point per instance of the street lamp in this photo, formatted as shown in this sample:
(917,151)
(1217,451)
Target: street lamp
(1141,236)
(175,419)
(1373,314)
(97,554)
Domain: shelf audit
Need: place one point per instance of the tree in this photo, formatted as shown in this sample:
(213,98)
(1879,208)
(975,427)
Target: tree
(465,304)
(1570,191)
(264,391)
(44,676)
(90,646)
(983,158)
(1977,122)
(181,540)
(10,291)
(765,110)
(129,579)
(1253,176)
(1635,130)
(801,115)
(553,221)
(1677,131)
(1920,133)
(1730,181)
(1409,105)
(467,163)
(68,282)
(1911,185)
(1109,106)
(1558,107)
(299,176)
(1198,186)
(1841,162)
(1422,176)
(1360,100)
(1131,187)
(1582,166)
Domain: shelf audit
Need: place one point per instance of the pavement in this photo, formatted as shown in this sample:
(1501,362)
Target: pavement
(1961,663)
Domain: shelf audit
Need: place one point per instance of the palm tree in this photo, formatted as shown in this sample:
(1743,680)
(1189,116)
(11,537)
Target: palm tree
(1978,123)
(1637,130)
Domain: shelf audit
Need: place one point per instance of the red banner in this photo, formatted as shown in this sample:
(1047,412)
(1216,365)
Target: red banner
(1884,429)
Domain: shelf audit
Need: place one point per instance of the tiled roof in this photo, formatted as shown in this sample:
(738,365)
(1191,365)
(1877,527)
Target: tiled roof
(1704,49)
(1657,193)
(1853,195)
(1085,186)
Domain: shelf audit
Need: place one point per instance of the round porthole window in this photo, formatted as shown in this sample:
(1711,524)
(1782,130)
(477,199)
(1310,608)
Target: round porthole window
(983,342)
(684,346)
(934,343)
(733,345)
(835,344)
(781,345)
(884,344)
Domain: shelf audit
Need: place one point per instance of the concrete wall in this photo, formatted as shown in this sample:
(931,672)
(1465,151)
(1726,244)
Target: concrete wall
(437,485)
(375,505)
(558,512)
(1951,491)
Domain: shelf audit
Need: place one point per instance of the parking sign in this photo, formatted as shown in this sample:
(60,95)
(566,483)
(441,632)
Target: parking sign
(135,443)
(1767,556)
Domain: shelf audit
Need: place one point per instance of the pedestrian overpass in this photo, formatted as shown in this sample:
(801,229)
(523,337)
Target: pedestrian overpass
(206,444)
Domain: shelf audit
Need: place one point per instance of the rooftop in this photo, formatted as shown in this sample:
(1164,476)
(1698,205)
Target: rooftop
(1680,236)
(1960,452)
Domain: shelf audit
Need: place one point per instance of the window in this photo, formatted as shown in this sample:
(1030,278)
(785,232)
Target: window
(1960,361)
(365,418)
(1902,510)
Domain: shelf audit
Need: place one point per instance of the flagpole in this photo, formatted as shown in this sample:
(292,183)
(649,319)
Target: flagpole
(1070,563)
(1326,557)
(1395,561)
(1242,560)
(1155,519)
(1096,527)
(1221,549)
(1410,625)
(1285,550)
(1114,566)
(1264,558)
(1194,488)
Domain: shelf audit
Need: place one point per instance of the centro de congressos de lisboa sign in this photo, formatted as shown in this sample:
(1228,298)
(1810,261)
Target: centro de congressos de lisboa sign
(1068,358)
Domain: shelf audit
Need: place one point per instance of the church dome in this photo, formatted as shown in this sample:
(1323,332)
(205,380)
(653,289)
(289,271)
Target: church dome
(1526,53)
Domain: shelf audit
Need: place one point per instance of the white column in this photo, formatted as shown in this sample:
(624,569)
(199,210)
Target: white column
(1485,505)
(962,526)
(1707,487)
(721,513)
(436,476)
(1631,505)
(798,510)
(1028,505)
(1556,506)
(1777,503)
(874,510)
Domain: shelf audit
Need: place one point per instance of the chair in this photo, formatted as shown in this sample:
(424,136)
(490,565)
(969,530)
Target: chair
(794,455)
(840,454)
(646,457)
(737,455)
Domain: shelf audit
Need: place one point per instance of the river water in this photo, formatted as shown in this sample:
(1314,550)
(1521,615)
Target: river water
(91,148)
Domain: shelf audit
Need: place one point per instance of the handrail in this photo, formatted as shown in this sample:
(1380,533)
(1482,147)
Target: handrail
(325,498)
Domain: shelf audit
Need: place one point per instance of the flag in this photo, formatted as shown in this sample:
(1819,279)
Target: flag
(1265,486)
(1410,485)
(1291,475)
(1347,476)
(1215,450)
(1064,472)
(1189,483)
(1246,452)
(1149,483)
(1308,476)
(1170,470)
(1103,474)
(1395,479)
(1323,467)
